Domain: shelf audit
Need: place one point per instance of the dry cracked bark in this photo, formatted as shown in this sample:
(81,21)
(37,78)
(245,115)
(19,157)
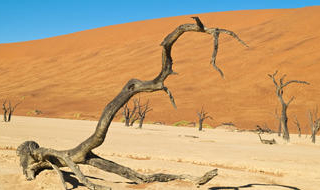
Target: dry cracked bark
(34,158)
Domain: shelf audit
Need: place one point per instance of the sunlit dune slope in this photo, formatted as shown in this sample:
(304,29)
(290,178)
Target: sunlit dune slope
(76,75)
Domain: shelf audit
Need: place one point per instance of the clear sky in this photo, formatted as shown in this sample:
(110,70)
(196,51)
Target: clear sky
(23,20)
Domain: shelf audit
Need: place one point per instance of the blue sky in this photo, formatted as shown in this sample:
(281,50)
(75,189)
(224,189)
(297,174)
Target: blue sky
(23,20)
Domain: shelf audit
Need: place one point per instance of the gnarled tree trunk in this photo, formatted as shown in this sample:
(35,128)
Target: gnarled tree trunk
(34,158)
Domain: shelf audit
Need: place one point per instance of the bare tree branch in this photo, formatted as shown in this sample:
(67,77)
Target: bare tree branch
(272,76)
(233,35)
(291,99)
(215,52)
(294,81)
(199,23)
(56,168)
(170,96)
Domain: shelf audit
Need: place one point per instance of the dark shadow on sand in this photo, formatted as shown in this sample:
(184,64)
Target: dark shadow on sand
(254,184)
(70,177)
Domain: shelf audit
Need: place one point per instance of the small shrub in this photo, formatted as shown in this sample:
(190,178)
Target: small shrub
(77,115)
(181,123)
(206,126)
(34,112)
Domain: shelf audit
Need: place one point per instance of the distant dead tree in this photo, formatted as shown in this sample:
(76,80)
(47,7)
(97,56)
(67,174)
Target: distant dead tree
(279,91)
(34,159)
(130,115)
(202,115)
(265,129)
(8,110)
(314,121)
(142,111)
(265,141)
(296,121)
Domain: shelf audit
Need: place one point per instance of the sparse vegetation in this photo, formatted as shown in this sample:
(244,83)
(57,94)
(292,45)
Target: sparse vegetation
(204,125)
(34,112)
(182,123)
(77,115)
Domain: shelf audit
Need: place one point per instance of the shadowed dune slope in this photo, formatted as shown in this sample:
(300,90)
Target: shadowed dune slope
(75,75)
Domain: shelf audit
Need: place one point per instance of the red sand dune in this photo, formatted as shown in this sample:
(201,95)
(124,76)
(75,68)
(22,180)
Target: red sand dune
(77,74)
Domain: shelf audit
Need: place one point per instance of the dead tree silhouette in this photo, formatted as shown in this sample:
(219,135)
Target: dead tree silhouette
(8,110)
(34,158)
(130,115)
(202,115)
(279,91)
(142,111)
(314,121)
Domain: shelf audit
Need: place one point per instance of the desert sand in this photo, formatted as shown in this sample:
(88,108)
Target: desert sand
(75,75)
(242,161)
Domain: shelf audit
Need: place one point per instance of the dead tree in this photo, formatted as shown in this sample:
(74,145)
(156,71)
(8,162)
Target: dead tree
(5,111)
(264,130)
(279,91)
(142,111)
(34,158)
(129,115)
(265,141)
(202,115)
(8,110)
(134,119)
(314,124)
(296,121)
(135,116)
